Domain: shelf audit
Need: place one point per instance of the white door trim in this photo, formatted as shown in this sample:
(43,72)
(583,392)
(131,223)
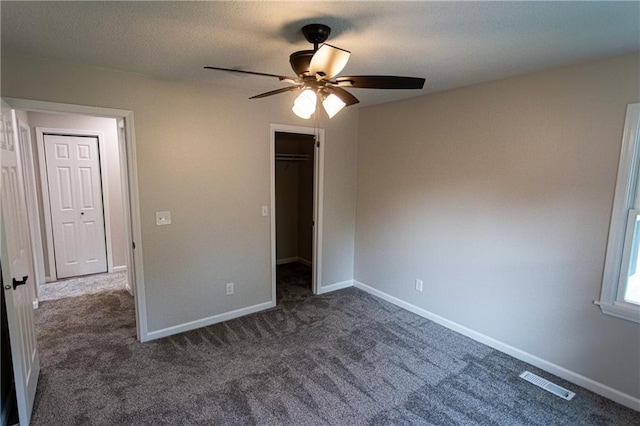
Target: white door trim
(318,191)
(129,170)
(40,133)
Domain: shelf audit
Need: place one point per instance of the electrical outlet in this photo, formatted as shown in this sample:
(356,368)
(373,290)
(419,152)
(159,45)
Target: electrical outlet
(418,284)
(229,289)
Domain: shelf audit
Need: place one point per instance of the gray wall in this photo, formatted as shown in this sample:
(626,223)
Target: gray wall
(499,196)
(203,154)
(116,210)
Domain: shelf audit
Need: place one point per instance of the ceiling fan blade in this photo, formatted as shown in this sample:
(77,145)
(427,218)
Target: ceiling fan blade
(381,82)
(279,77)
(328,61)
(344,96)
(277,91)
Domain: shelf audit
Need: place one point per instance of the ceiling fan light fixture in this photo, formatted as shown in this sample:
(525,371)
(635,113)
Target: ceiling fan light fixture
(305,104)
(333,105)
(316,72)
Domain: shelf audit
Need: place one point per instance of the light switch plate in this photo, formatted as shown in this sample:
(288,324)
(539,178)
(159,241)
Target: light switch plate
(163,218)
(265,211)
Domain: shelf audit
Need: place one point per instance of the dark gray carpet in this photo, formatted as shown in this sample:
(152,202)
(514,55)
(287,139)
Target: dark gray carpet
(345,358)
(293,282)
(79,286)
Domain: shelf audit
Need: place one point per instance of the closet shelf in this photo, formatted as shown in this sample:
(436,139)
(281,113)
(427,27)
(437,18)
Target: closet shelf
(292,157)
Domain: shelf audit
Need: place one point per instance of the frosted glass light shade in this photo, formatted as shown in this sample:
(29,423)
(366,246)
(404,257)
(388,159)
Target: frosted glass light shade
(333,105)
(300,113)
(305,104)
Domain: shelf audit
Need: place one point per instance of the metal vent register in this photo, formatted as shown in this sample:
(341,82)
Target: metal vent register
(547,385)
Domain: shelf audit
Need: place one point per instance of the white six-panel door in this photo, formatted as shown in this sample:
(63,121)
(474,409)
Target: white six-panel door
(75,195)
(17,272)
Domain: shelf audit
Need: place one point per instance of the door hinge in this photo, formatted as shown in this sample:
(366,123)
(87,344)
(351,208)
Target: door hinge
(318,144)
(133,244)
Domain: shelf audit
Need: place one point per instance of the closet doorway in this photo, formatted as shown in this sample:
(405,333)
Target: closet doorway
(296,219)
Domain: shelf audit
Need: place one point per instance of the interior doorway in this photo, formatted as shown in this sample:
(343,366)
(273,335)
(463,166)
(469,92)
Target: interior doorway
(296,204)
(79,203)
(118,183)
(294,214)
(22,293)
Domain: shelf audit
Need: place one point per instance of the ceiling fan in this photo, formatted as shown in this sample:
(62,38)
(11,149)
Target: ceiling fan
(316,72)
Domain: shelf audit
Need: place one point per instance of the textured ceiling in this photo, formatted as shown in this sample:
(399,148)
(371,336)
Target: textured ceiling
(451,44)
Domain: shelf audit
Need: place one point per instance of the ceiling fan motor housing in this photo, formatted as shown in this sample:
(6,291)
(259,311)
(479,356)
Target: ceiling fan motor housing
(315,34)
(300,61)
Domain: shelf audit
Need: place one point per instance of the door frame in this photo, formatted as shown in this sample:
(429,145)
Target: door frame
(46,200)
(129,179)
(318,191)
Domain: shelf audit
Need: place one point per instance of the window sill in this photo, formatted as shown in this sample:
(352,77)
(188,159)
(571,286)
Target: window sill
(625,311)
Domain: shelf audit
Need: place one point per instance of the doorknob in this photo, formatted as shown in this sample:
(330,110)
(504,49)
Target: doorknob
(16,283)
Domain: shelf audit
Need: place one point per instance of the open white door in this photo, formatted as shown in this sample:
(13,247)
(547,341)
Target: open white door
(16,269)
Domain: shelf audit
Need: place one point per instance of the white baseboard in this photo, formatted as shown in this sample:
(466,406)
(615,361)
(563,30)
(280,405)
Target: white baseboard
(169,331)
(333,287)
(304,261)
(578,379)
(293,260)
(120,268)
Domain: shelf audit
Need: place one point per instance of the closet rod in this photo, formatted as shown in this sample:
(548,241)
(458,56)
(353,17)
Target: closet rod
(292,157)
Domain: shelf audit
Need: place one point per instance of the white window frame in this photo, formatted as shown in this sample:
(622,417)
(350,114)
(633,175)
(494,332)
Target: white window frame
(621,229)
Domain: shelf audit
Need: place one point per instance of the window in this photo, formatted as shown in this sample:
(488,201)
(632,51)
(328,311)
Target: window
(621,281)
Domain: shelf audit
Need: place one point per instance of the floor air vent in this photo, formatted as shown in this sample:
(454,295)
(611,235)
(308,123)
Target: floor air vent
(547,385)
